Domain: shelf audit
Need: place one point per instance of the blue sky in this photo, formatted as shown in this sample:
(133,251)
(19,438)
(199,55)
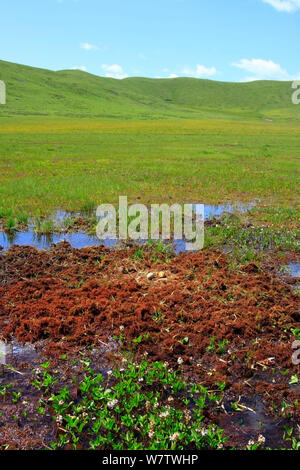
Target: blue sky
(228,40)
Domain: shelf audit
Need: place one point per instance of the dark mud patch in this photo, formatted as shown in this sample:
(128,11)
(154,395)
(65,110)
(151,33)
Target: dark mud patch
(245,426)
(23,425)
(285,267)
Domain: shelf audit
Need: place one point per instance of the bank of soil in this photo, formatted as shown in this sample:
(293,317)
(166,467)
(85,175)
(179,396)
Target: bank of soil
(217,323)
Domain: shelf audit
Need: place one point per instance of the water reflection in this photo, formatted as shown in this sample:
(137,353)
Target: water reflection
(211,211)
(44,242)
(293,269)
(4,350)
(9,352)
(82,239)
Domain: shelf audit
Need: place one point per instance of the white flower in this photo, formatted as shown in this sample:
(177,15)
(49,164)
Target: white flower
(151,434)
(112,404)
(174,436)
(164,414)
(59,419)
(180,361)
(109,372)
(261,439)
(122,327)
(251,442)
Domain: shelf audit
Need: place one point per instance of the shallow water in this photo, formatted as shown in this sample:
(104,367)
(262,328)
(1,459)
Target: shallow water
(248,424)
(44,242)
(9,352)
(211,211)
(82,239)
(293,270)
(77,240)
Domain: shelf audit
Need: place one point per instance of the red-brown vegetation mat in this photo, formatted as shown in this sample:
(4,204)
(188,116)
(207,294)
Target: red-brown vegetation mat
(225,324)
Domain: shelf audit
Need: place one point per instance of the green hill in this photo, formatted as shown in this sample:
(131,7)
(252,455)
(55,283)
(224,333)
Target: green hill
(73,93)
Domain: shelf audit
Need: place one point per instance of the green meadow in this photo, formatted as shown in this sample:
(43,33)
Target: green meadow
(71,140)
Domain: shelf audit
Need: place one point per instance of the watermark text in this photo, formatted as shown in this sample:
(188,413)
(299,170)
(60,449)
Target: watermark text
(2,92)
(159,222)
(296,94)
(296,354)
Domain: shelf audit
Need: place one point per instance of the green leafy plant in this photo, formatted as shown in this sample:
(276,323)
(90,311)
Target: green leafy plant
(131,410)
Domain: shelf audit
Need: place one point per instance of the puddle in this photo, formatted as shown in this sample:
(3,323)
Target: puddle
(290,273)
(248,425)
(82,239)
(293,270)
(211,211)
(10,352)
(76,240)
(44,242)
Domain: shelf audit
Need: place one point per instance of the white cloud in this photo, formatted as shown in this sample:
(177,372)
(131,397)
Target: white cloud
(173,75)
(200,71)
(114,71)
(263,70)
(82,68)
(288,6)
(88,47)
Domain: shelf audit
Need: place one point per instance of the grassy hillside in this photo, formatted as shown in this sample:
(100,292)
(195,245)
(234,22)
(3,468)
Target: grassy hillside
(73,93)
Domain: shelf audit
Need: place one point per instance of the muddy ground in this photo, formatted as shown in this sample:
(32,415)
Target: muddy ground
(223,323)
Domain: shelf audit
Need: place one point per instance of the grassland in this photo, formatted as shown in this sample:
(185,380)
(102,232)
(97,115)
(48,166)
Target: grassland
(74,165)
(72,140)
